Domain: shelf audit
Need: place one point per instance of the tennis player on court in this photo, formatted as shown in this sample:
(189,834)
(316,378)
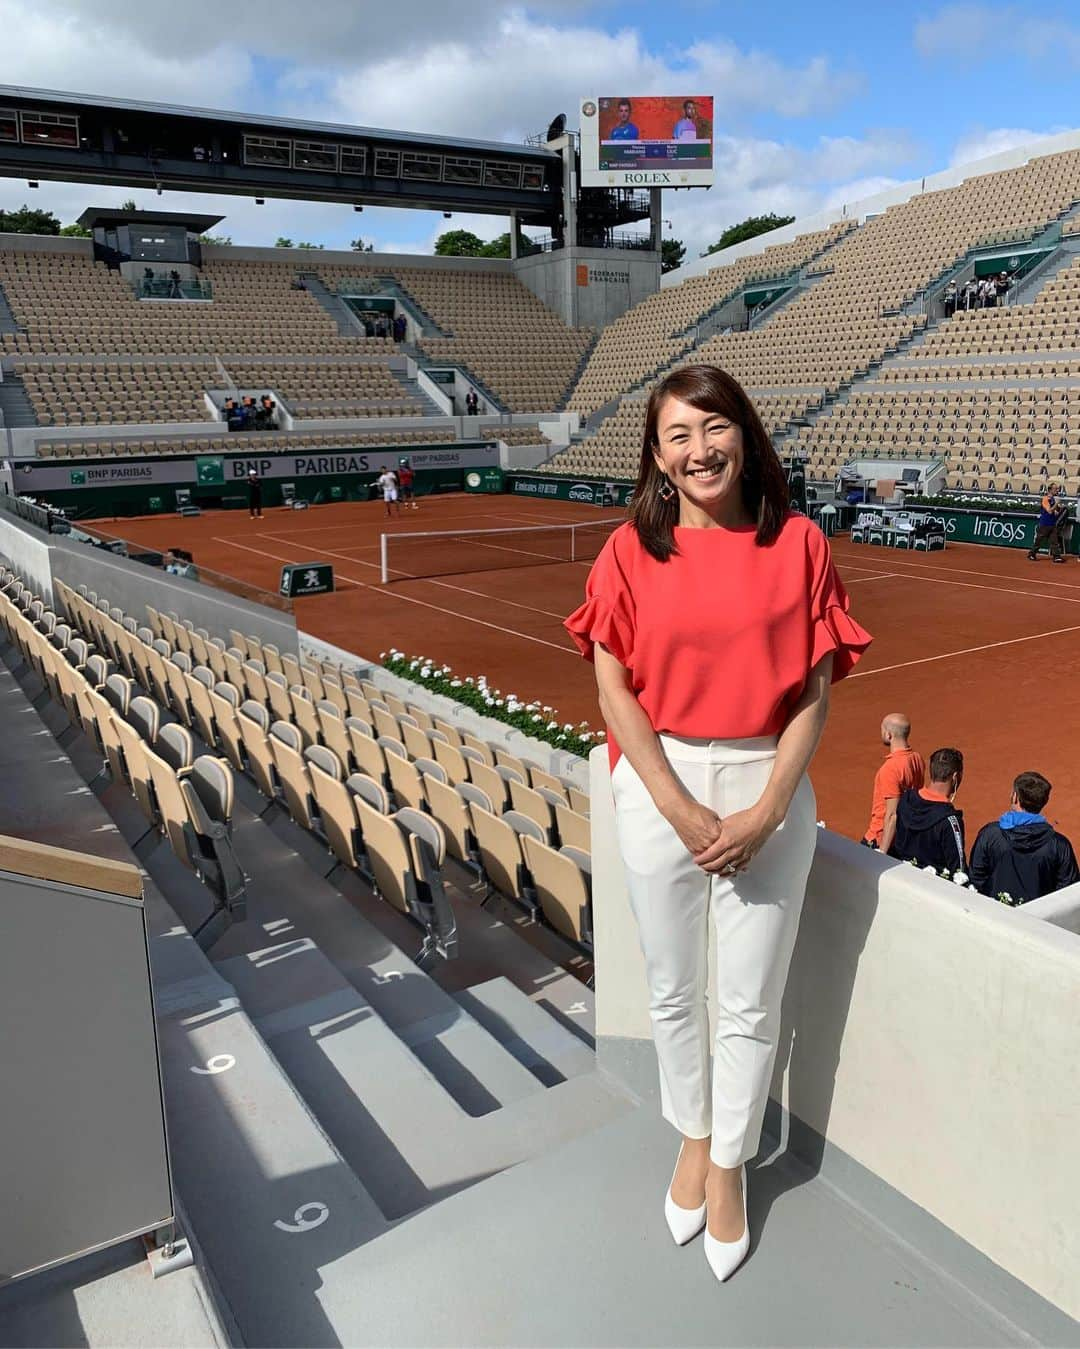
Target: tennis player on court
(387,480)
(716,623)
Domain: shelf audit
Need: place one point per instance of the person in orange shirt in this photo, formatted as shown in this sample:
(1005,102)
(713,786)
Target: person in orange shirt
(903,769)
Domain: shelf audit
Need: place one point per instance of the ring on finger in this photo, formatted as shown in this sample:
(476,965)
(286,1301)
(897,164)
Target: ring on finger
(730,869)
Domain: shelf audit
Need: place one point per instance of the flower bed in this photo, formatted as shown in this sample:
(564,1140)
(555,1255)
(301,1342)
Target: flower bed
(531,719)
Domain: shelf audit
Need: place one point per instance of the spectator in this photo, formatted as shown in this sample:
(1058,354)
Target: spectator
(399,327)
(929,828)
(1021,854)
(1001,285)
(971,294)
(405,479)
(254,486)
(148,281)
(472,403)
(624,129)
(950,299)
(903,769)
(199,154)
(174,285)
(387,481)
(1048,528)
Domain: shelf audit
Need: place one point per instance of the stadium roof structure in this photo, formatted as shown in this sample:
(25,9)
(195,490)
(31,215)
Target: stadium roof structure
(105,217)
(72,137)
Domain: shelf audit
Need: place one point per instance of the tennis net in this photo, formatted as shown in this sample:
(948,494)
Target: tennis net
(454,552)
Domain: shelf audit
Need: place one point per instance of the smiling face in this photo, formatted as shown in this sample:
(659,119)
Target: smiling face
(702,454)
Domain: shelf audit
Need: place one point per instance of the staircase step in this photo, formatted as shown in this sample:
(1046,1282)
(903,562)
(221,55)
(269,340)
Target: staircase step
(550,1051)
(407,1139)
(286,895)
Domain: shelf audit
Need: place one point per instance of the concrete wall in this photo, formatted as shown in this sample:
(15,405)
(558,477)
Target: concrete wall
(310,260)
(27,551)
(1062,908)
(613,281)
(133,585)
(928,1032)
(881,201)
(47,243)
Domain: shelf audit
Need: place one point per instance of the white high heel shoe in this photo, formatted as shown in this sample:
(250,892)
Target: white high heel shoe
(683,1223)
(724,1257)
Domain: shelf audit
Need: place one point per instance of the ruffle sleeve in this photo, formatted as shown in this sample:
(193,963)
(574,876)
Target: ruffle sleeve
(607,616)
(832,627)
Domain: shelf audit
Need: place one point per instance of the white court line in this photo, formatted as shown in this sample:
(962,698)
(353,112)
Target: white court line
(880,576)
(411,599)
(446,585)
(967,651)
(998,590)
(963,571)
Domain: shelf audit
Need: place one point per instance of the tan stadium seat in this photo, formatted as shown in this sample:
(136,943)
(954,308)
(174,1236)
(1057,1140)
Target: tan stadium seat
(225,700)
(253,721)
(286,747)
(574,829)
(562,890)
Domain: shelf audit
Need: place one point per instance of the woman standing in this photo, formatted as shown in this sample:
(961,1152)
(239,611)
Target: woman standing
(716,623)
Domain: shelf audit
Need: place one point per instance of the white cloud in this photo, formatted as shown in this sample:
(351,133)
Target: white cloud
(981,33)
(509,80)
(980,143)
(51,47)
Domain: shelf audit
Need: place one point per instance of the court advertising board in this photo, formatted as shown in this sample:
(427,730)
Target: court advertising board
(307,578)
(648,141)
(591,492)
(35,475)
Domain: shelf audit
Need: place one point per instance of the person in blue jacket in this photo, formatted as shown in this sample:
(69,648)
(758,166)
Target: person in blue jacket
(1022,854)
(624,129)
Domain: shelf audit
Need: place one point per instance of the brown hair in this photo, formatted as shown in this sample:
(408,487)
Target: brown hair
(1032,791)
(764,484)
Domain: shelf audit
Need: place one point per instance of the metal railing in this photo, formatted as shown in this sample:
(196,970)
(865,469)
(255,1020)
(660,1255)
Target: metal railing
(162,288)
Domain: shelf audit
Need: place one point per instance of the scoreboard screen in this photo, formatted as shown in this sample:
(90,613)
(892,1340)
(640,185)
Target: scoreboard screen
(655,141)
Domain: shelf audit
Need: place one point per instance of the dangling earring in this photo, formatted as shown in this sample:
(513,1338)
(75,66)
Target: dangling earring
(665,491)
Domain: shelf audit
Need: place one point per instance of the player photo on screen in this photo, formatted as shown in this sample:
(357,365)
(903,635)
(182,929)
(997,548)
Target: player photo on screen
(645,133)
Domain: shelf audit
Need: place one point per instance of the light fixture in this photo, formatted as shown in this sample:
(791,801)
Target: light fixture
(32,183)
(260,201)
(446,215)
(358,208)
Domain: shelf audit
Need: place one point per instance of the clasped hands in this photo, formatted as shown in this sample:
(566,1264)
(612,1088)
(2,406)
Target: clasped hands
(725,845)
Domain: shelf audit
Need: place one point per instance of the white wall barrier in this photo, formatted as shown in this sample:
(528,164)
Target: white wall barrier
(928,1032)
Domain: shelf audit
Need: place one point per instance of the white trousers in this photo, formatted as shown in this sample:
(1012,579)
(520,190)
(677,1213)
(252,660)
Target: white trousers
(756,917)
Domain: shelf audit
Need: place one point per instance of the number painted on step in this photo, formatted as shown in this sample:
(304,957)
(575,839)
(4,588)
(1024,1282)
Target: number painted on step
(302,1223)
(220,1063)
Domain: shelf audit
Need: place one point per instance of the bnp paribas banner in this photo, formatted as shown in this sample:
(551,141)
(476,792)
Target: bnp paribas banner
(216,470)
(591,492)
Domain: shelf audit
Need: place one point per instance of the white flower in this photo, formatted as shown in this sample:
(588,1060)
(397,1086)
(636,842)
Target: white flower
(932,870)
(455,683)
(960,878)
(499,702)
(553,726)
(382,655)
(585,735)
(537,717)
(548,710)
(568,725)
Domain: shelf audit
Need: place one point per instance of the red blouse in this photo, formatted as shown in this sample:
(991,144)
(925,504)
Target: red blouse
(719,640)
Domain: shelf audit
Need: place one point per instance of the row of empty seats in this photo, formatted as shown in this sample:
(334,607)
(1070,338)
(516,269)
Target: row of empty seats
(331,752)
(187,797)
(286,442)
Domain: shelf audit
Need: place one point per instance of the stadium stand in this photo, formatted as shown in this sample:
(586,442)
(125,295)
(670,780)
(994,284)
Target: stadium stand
(863,309)
(497,328)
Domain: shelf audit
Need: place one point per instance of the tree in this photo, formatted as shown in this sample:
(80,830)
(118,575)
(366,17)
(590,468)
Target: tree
(75,231)
(748,229)
(128,205)
(27,221)
(215,239)
(304,244)
(359,246)
(282,242)
(672,252)
(459,244)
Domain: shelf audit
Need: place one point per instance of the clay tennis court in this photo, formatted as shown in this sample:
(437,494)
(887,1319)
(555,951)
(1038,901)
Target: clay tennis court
(979,645)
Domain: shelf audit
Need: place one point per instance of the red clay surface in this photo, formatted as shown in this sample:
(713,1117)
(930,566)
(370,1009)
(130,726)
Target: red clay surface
(978,645)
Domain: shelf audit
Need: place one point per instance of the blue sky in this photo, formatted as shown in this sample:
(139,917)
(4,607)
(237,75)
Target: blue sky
(815,104)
